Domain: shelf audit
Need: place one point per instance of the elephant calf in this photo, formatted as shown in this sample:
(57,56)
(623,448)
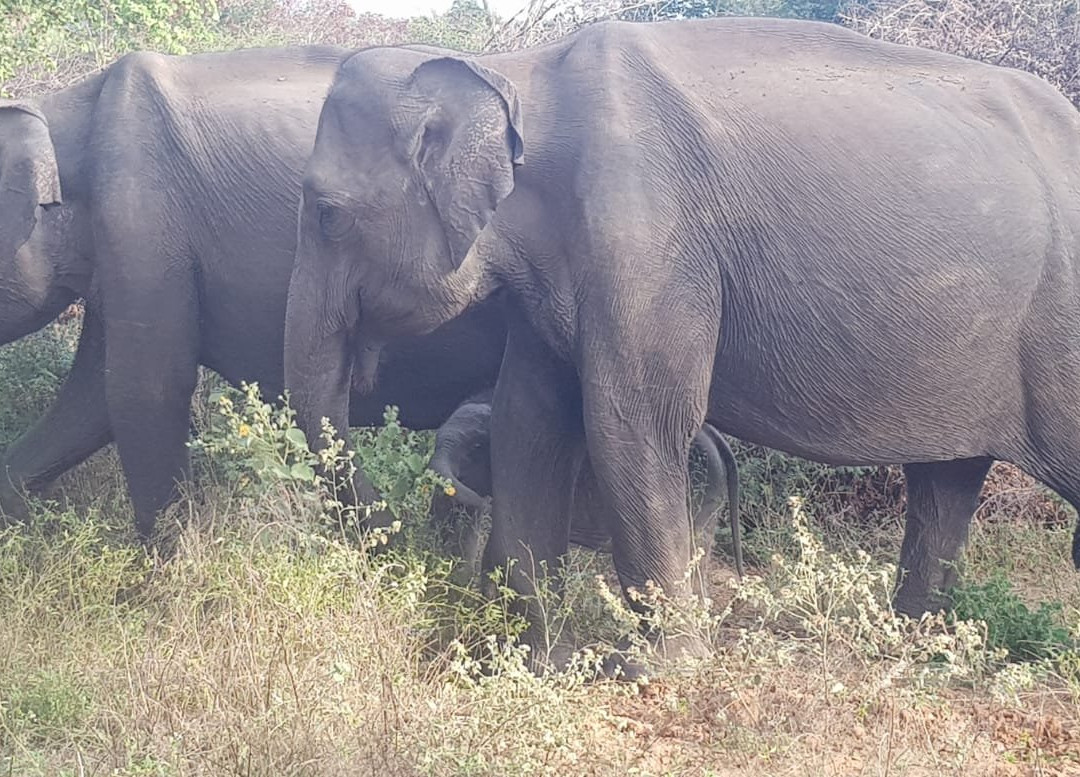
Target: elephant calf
(463,456)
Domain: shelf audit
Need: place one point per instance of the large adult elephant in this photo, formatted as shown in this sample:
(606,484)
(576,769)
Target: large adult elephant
(853,251)
(164,190)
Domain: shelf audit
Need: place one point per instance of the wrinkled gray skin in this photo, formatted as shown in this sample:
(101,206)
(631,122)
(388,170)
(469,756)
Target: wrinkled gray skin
(164,190)
(853,251)
(463,456)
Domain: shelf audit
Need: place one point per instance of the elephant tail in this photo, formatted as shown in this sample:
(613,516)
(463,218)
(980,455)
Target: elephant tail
(731,470)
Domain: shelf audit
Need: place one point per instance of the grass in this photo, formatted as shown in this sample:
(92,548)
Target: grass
(30,373)
(273,643)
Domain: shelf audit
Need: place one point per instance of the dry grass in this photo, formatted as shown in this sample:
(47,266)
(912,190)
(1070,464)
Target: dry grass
(262,648)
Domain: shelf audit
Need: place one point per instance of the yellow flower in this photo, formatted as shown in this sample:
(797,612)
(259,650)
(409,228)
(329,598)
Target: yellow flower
(450,490)
(244,430)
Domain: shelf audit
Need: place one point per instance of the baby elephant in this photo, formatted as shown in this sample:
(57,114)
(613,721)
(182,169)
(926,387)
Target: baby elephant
(463,456)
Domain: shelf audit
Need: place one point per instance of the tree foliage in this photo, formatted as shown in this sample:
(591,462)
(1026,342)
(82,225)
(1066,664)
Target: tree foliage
(823,10)
(465,27)
(39,37)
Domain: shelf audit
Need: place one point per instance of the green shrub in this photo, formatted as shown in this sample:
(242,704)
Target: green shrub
(46,705)
(1027,634)
(257,448)
(396,459)
(37,37)
(254,443)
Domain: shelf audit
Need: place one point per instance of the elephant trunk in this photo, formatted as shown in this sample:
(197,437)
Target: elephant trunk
(318,368)
(39,277)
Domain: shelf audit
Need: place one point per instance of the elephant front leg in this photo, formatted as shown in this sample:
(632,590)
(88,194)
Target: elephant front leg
(537,446)
(72,429)
(941,499)
(152,363)
(642,408)
(460,529)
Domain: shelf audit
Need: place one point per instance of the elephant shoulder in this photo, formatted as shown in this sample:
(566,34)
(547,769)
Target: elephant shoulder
(138,66)
(129,82)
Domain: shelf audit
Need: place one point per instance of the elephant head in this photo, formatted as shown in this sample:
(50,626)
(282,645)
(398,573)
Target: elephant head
(412,156)
(40,273)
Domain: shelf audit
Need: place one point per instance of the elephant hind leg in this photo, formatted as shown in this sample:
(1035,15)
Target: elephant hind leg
(71,430)
(941,499)
(1067,487)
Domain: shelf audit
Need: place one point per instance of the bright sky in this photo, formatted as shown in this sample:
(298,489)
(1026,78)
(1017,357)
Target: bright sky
(406,8)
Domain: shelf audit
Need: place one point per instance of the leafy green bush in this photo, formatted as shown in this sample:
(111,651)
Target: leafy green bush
(1026,634)
(465,27)
(46,705)
(40,35)
(255,443)
(396,459)
(257,448)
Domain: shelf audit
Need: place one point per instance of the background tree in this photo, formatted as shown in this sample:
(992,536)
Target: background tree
(1039,36)
(822,10)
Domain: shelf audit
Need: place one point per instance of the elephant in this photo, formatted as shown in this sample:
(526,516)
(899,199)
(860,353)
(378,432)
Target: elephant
(853,251)
(163,190)
(463,456)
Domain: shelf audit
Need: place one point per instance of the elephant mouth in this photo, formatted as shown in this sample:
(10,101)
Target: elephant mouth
(354,322)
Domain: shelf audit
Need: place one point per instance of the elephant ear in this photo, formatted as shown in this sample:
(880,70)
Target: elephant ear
(28,173)
(468,144)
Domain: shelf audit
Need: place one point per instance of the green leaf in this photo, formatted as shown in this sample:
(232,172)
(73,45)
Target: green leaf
(296,437)
(301,471)
(399,489)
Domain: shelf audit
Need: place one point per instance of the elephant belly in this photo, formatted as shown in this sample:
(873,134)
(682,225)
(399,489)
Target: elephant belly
(886,390)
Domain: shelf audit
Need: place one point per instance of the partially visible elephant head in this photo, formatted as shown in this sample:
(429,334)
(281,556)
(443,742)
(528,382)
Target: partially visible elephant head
(41,271)
(381,197)
(463,454)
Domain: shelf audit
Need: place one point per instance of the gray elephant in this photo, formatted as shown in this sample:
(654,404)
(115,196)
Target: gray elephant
(164,191)
(853,251)
(463,456)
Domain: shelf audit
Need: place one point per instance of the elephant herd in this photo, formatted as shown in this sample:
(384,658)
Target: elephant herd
(578,260)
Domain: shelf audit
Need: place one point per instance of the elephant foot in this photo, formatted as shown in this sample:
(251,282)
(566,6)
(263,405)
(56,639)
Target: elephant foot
(627,663)
(548,660)
(663,653)
(920,594)
(13,507)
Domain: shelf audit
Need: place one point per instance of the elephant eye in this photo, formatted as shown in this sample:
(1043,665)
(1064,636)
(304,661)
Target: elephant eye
(334,222)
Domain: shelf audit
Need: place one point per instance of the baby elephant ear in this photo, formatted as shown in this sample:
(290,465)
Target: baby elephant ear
(28,174)
(468,143)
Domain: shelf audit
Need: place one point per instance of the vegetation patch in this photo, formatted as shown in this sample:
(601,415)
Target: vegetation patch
(1027,634)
